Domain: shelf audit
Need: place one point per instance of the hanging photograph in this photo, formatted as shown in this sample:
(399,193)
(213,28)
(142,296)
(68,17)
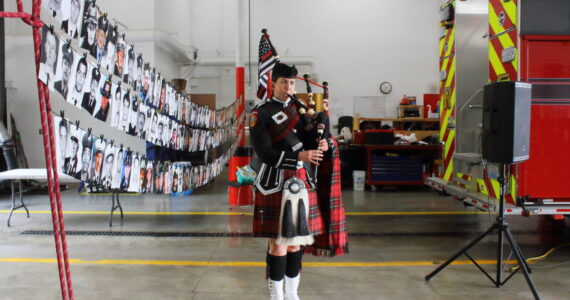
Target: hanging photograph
(72,25)
(98,160)
(56,8)
(71,164)
(151,125)
(108,166)
(116,103)
(77,81)
(108,61)
(145,83)
(162,99)
(117,171)
(48,58)
(167,178)
(157,90)
(86,155)
(133,115)
(149,176)
(142,173)
(150,91)
(120,54)
(98,49)
(134,184)
(92,96)
(61,138)
(129,64)
(89,28)
(102,107)
(137,75)
(159,178)
(141,121)
(63,78)
(125,112)
(126,172)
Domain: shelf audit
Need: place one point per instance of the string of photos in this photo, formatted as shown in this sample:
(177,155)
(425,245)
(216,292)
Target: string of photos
(98,161)
(96,70)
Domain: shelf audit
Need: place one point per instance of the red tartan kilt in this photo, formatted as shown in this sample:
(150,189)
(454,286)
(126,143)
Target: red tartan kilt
(267,210)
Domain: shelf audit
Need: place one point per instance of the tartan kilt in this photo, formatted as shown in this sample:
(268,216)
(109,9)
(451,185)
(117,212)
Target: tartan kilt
(267,209)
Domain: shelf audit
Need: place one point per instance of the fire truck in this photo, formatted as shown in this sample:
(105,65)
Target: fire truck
(486,41)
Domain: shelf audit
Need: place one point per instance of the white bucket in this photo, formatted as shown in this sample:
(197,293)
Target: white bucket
(358,177)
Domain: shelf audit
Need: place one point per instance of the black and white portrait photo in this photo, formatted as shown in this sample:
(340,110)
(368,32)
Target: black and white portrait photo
(89,27)
(86,156)
(124,120)
(92,96)
(102,107)
(149,176)
(137,76)
(157,90)
(117,170)
(116,102)
(141,121)
(61,136)
(151,125)
(133,115)
(72,25)
(48,59)
(77,83)
(71,164)
(130,65)
(134,185)
(108,60)
(56,8)
(108,165)
(62,84)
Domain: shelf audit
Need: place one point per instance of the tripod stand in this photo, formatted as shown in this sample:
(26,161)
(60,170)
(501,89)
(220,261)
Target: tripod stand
(502,229)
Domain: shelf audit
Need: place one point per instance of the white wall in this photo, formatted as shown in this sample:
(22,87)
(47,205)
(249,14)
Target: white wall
(356,44)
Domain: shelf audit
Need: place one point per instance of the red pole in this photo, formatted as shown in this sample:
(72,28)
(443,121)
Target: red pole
(51,164)
(240,95)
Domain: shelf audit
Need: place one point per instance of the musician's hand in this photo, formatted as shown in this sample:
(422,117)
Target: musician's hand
(323,145)
(311,156)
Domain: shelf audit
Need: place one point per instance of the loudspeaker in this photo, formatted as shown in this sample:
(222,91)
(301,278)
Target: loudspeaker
(506,121)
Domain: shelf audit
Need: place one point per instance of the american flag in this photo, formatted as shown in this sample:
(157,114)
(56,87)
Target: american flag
(267,59)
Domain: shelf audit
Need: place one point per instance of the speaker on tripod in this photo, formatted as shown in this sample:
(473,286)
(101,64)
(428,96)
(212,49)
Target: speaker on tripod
(506,122)
(506,139)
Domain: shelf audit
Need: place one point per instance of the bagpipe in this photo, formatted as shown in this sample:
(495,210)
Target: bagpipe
(315,123)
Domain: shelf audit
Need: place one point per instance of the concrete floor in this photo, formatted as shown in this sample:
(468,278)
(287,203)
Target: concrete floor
(391,265)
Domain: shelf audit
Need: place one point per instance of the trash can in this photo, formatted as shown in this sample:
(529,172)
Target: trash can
(359,178)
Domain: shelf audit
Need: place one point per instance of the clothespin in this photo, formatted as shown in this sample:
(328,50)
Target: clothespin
(123,36)
(85,55)
(68,42)
(112,142)
(129,149)
(101,137)
(121,147)
(116,28)
(89,131)
(120,83)
(99,66)
(51,28)
(62,114)
(105,16)
(77,123)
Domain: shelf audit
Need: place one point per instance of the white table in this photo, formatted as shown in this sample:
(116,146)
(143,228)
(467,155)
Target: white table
(41,175)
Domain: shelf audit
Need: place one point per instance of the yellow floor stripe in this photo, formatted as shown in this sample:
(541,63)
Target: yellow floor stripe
(199,213)
(109,194)
(245,263)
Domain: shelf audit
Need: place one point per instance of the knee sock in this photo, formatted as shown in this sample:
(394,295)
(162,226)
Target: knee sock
(293,263)
(276,267)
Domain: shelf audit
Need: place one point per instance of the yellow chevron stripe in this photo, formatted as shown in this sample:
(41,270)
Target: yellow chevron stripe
(495,61)
(448,143)
(511,10)
(451,74)
(451,42)
(496,187)
(482,186)
(448,171)
(513,183)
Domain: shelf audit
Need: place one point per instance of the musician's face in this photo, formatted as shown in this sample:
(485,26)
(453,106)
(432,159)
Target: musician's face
(283,87)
